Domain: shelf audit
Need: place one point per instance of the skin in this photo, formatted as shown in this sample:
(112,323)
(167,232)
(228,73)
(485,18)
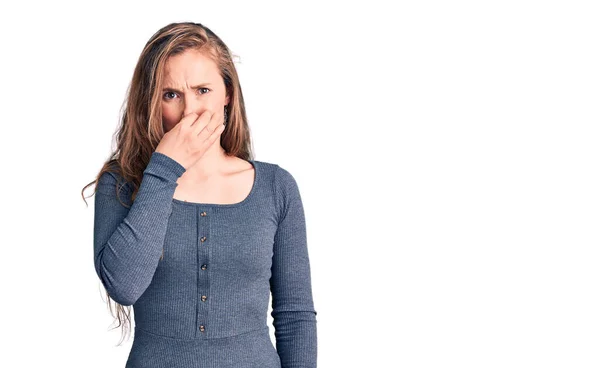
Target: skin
(215,177)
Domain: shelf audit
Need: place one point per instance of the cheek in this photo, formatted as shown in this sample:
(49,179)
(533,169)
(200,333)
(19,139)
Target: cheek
(169,117)
(167,109)
(170,114)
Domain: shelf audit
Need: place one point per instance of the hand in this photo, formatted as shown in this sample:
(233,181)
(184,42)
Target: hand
(187,142)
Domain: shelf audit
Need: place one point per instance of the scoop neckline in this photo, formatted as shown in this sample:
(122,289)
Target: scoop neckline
(248,197)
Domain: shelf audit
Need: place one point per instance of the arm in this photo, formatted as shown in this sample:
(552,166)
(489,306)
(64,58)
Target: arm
(294,316)
(128,242)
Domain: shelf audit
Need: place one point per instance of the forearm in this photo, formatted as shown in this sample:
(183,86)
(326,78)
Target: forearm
(128,243)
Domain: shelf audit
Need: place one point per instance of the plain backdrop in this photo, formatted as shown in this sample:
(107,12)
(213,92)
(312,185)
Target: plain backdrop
(446,153)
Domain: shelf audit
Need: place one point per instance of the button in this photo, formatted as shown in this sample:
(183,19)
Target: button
(201,328)
(203,214)
(202,239)
(204,267)
(203,298)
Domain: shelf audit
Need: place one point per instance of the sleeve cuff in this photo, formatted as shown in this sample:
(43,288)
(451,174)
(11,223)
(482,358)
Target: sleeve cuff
(164,166)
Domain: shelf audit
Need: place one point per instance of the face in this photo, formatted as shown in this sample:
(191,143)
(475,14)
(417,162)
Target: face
(192,83)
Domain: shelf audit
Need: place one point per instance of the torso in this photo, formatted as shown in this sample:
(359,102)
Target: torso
(232,187)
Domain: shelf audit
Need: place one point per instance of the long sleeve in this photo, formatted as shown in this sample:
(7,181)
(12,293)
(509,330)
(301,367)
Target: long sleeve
(128,242)
(294,315)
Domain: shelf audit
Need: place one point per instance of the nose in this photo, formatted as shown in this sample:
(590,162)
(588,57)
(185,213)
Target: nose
(191,104)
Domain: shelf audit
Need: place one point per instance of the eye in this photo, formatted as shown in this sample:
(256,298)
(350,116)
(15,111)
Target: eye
(166,93)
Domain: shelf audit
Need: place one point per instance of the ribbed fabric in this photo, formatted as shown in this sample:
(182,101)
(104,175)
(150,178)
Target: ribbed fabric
(205,303)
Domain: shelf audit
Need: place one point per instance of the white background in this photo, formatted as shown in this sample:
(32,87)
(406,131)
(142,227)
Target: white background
(446,152)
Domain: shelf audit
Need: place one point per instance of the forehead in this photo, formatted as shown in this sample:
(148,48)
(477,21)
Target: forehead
(190,66)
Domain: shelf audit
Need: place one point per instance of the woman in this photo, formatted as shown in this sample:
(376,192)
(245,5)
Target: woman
(193,232)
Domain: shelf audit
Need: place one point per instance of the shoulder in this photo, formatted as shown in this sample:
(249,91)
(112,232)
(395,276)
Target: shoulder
(111,183)
(280,177)
(284,186)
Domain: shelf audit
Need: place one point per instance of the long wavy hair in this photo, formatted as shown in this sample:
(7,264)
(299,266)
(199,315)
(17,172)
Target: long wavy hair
(141,127)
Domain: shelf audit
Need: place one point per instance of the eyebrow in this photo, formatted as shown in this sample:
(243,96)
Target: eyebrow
(193,87)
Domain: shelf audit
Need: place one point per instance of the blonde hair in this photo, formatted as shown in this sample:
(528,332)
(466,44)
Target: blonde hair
(141,127)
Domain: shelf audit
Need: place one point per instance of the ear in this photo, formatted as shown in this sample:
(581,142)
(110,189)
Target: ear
(227,100)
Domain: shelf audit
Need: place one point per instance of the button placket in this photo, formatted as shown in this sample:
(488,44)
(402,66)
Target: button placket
(203,260)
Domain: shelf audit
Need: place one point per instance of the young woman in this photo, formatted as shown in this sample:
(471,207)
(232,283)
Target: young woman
(193,232)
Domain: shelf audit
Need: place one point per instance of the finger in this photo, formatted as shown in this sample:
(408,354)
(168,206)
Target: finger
(219,119)
(211,126)
(189,119)
(201,122)
(215,135)
(206,137)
